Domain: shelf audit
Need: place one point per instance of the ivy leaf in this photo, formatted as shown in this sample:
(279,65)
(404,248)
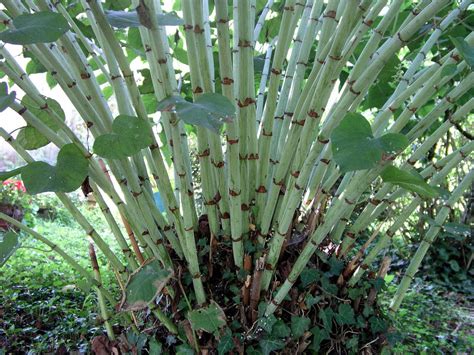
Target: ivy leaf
(408,181)
(268,345)
(144,285)
(226,343)
(326,316)
(29,137)
(124,19)
(280,330)
(8,244)
(377,324)
(345,314)
(40,27)
(68,174)
(354,147)
(210,319)
(6,99)
(129,136)
(267,323)
(209,110)
(319,335)
(299,325)
(466,50)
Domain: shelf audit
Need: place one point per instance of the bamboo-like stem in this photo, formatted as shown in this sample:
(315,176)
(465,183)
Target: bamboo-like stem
(428,239)
(232,133)
(100,297)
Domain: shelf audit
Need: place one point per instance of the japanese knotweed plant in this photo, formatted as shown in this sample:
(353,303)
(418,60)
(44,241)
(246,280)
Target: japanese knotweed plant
(312,121)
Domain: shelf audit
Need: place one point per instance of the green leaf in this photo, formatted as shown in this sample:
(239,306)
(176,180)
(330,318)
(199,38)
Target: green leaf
(268,345)
(209,319)
(466,50)
(40,27)
(326,316)
(4,175)
(6,99)
(408,181)
(318,336)
(68,174)
(266,323)
(29,137)
(354,147)
(144,285)
(226,343)
(449,70)
(345,314)
(299,325)
(209,110)
(452,263)
(308,276)
(8,244)
(129,136)
(377,324)
(124,19)
(280,330)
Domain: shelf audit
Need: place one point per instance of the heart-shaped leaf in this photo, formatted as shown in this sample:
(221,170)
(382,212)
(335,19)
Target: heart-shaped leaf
(129,136)
(409,181)
(40,27)
(355,148)
(209,110)
(68,174)
(6,99)
(144,285)
(210,319)
(466,50)
(8,244)
(29,137)
(124,19)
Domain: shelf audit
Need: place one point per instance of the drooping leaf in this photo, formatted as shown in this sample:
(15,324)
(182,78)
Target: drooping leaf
(354,147)
(299,325)
(209,319)
(465,49)
(6,99)
(129,136)
(40,27)
(29,137)
(124,19)
(409,181)
(144,285)
(68,174)
(209,110)
(8,244)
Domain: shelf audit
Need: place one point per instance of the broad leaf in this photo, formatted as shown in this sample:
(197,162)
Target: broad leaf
(124,19)
(8,244)
(68,174)
(280,330)
(408,181)
(144,285)
(4,175)
(209,110)
(209,319)
(466,50)
(355,148)
(40,27)
(129,136)
(6,99)
(29,137)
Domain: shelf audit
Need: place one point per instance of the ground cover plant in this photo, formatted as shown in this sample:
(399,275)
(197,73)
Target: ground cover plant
(313,123)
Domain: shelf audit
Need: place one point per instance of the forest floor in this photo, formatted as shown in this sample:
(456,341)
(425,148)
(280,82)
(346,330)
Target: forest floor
(44,308)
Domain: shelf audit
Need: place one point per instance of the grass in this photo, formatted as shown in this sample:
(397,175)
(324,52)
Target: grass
(43,308)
